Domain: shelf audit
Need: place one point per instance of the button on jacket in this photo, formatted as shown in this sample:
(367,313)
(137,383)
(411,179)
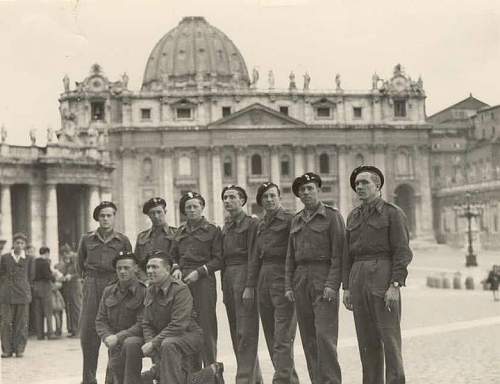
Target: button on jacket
(120,311)
(238,239)
(95,255)
(15,279)
(195,247)
(318,238)
(379,230)
(152,239)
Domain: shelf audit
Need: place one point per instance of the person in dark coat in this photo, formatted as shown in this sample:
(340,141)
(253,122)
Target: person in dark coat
(96,252)
(266,272)
(313,274)
(71,290)
(197,255)
(493,280)
(31,252)
(120,318)
(42,299)
(16,275)
(375,268)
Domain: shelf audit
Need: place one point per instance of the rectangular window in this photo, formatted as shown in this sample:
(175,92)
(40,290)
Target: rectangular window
(285,168)
(97,110)
(183,113)
(226,111)
(326,189)
(287,190)
(284,110)
(145,113)
(400,108)
(437,171)
(357,112)
(323,112)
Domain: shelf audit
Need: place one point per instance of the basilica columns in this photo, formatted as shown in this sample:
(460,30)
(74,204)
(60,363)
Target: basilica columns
(168,183)
(94,200)
(343,182)
(129,192)
(218,216)
(203,172)
(425,206)
(298,162)
(380,163)
(310,159)
(275,165)
(51,222)
(6,224)
(36,214)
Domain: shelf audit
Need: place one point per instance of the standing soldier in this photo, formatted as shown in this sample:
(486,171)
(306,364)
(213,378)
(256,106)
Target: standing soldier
(313,276)
(238,240)
(16,275)
(158,237)
(71,290)
(374,269)
(268,267)
(96,252)
(120,317)
(197,254)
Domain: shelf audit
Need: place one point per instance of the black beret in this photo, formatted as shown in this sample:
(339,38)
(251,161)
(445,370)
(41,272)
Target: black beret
(20,235)
(366,168)
(159,254)
(123,255)
(153,202)
(189,196)
(308,177)
(263,188)
(235,188)
(102,205)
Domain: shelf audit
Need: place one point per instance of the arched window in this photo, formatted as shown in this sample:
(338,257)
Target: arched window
(184,166)
(360,160)
(324,163)
(256,164)
(285,166)
(228,167)
(147,169)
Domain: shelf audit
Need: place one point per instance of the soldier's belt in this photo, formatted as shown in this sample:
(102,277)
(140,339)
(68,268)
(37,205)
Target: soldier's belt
(372,256)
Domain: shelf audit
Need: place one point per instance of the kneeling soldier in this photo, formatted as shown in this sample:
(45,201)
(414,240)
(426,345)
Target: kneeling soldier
(120,318)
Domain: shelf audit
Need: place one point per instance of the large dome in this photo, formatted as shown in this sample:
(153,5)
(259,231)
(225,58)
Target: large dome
(195,55)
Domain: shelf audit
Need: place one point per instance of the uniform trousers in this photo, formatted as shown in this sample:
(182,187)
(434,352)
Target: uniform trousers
(378,330)
(14,327)
(125,361)
(42,307)
(72,294)
(204,292)
(243,324)
(318,323)
(93,288)
(279,322)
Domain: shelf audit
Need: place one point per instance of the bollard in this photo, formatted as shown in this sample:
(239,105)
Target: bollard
(439,282)
(469,283)
(457,282)
(429,282)
(446,283)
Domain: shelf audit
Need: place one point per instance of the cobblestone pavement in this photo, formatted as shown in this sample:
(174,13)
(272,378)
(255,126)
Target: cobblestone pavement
(449,336)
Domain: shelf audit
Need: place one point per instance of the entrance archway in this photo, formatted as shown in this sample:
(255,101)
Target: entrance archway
(405,199)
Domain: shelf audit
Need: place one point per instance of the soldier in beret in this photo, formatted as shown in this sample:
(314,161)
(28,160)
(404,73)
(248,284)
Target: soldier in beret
(16,275)
(158,237)
(197,254)
(374,269)
(119,320)
(238,240)
(96,252)
(313,276)
(267,271)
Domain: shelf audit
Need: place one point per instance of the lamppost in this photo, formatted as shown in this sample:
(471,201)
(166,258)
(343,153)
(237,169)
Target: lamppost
(469,213)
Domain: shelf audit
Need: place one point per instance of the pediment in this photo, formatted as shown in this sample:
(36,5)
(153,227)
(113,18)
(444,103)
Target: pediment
(257,116)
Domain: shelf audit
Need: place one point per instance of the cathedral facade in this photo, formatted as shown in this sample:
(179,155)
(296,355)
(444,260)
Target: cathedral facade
(201,121)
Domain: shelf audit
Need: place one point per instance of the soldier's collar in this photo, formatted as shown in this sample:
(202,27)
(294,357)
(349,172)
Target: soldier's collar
(201,224)
(165,285)
(321,210)
(114,235)
(130,285)
(238,219)
(377,204)
(165,228)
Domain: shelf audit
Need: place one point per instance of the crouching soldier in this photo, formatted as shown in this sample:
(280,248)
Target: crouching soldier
(172,337)
(120,317)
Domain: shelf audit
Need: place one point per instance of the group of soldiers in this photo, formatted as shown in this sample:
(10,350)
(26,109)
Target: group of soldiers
(160,300)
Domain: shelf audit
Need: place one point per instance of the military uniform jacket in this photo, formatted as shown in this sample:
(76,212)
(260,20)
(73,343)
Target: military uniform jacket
(95,255)
(121,310)
(271,242)
(152,239)
(317,238)
(192,248)
(168,311)
(69,269)
(379,230)
(16,279)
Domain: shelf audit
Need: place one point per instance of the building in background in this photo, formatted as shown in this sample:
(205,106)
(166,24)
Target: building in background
(201,121)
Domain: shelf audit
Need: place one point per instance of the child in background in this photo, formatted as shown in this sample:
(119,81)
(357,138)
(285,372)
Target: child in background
(57,302)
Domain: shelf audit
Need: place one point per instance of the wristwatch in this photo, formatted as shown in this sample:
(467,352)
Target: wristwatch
(395,284)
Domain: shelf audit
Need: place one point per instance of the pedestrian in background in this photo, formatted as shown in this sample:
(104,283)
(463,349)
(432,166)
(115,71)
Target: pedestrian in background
(493,280)
(16,275)
(42,299)
(31,252)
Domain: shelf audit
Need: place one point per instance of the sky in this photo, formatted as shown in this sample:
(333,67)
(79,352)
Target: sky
(453,44)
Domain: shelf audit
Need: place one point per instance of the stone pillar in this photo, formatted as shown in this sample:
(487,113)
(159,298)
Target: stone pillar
(129,204)
(51,222)
(275,165)
(93,199)
(380,164)
(203,173)
(36,215)
(425,206)
(345,194)
(298,162)
(168,183)
(106,194)
(6,224)
(241,166)
(310,159)
(218,213)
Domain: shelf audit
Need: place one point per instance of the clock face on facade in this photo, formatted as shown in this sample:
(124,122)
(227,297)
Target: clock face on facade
(97,85)
(399,83)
